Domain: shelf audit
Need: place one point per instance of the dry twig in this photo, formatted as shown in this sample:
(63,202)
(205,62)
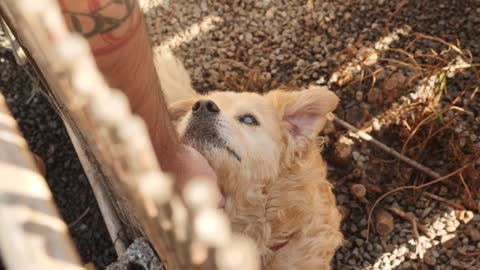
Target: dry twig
(440,199)
(79,218)
(415,224)
(365,136)
(410,187)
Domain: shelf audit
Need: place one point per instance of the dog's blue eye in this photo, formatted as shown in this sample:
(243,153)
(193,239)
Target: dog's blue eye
(248,119)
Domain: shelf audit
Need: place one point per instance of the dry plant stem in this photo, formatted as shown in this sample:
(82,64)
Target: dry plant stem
(354,174)
(469,193)
(434,115)
(372,74)
(431,118)
(426,140)
(409,55)
(454,47)
(406,64)
(443,200)
(473,254)
(415,224)
(365,136)
(409,187)
(78,219)
(392,14)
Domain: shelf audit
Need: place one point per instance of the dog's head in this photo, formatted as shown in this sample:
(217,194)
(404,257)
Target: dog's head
(250,138)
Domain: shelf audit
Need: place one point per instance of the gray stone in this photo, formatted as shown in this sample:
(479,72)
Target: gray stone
(139,255)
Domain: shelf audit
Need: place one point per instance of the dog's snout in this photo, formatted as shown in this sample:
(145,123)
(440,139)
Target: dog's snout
(205,107)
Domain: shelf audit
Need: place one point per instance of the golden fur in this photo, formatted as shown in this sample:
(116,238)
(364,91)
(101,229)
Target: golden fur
(275,183)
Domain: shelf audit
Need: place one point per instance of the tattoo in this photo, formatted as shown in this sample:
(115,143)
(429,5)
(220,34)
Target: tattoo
(105,21)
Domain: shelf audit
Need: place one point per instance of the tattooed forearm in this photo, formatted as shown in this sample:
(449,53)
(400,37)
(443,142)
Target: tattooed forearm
(109,23)
(97,21)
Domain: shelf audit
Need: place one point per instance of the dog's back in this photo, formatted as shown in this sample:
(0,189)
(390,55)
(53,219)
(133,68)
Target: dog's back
(174,78)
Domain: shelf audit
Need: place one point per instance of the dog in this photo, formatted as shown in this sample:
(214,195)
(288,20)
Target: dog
(264,151)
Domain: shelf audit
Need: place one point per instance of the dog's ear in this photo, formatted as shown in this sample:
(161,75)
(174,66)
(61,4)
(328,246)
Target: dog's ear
(179,109)
(303,112)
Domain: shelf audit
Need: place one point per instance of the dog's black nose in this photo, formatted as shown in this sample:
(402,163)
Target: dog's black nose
(205,107)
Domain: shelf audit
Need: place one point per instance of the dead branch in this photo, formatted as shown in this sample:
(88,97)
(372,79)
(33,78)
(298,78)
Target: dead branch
(367,137)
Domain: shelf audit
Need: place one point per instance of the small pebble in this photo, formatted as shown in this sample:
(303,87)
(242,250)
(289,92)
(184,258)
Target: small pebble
(450,229)
(474,234)
(359,242)
(441,232)
(438,226)
(430,260)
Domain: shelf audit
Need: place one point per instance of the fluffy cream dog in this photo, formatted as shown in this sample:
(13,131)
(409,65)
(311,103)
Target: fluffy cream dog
(264,150)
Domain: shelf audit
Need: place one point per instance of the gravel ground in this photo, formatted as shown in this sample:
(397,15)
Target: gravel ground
(296,43)
(224,44)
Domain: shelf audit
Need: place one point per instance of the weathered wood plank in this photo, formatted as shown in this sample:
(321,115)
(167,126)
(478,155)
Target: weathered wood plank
(32,233)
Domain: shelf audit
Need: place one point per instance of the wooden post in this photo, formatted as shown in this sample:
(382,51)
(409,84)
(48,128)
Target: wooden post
(32,233)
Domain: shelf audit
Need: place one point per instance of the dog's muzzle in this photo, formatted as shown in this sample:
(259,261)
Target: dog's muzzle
(202,129)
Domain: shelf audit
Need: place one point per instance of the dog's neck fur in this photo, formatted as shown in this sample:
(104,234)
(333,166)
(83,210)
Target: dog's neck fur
(274,208)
